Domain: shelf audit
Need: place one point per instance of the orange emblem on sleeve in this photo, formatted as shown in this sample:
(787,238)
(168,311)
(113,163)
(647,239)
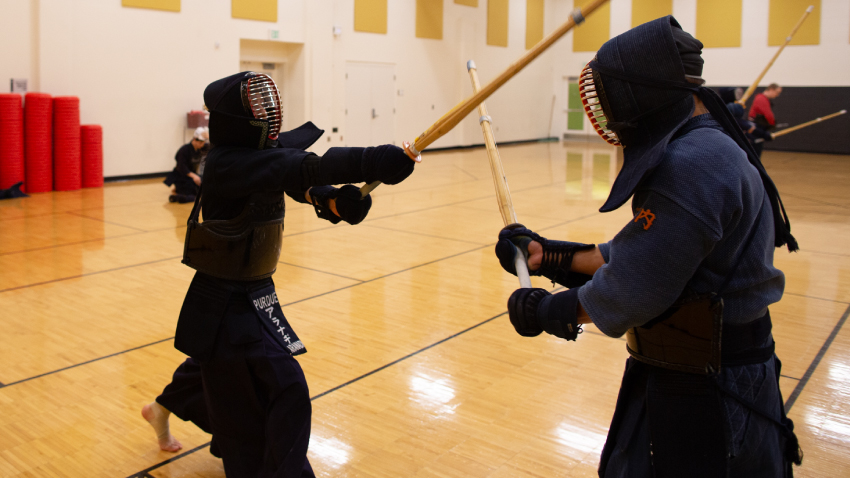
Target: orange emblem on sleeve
(647,215)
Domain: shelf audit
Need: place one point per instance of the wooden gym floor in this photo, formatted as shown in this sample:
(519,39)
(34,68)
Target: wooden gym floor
(413,365)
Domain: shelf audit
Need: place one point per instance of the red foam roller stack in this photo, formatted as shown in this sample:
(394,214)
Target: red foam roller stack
(91,148)
(38,142)
(11,140)
(67,163)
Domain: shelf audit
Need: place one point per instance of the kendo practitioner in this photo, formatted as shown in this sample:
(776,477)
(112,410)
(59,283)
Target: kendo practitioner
(688,280)
(185,178)
(231,324)
(753,133)
(761,112)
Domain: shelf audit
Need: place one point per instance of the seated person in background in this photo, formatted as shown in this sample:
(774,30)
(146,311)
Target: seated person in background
(730,96)
(185,179)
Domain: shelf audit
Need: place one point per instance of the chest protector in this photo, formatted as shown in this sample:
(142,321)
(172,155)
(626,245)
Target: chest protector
(244,248)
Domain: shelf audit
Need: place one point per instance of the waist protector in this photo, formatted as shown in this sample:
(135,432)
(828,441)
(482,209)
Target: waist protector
(685,338)
(245,248)
(688,337)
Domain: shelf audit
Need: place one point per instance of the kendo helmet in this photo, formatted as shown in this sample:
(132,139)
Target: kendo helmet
(636,79)
(245,110)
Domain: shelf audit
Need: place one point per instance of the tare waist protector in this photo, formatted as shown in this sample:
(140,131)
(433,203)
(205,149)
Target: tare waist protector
(688,338)
(244,248)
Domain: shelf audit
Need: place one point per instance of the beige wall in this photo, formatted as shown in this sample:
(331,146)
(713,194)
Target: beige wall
(137,72)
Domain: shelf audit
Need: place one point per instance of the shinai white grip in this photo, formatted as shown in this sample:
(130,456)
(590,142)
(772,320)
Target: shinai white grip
(521,265)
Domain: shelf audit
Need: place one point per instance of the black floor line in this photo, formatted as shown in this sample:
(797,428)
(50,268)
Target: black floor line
(384,276)
(814,365)
(144,473)
(57,246)
(89,274)
(432,236)
(79,214)
(83,363)
(406,357)
(817,201)
(317,270)
(816,298)
(788,376)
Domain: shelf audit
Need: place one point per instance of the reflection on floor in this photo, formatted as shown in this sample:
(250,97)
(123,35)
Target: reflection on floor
(414,366)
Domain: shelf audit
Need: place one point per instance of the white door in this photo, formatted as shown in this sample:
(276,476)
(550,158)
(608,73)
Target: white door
(369,104)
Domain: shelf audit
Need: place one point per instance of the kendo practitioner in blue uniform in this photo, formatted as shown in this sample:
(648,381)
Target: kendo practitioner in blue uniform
(754,133)
(231,324)
(688,280)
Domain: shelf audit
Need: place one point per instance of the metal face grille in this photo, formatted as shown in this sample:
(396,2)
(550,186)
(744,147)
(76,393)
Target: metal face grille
(593,108)
(264,99)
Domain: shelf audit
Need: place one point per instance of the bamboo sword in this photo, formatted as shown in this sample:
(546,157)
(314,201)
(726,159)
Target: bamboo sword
(803,125)
(755,84)
(456,114)
(503,194)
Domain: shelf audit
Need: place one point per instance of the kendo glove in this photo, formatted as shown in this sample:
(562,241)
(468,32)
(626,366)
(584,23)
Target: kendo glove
(533,311)
(386,163)
(557,255)
(350,206)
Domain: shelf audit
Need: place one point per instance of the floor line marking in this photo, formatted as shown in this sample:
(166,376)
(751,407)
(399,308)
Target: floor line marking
(61,279)
(85,363)
(80,214)
(817,298)
(317,270)
(145,473)
(814,365)
(422,234)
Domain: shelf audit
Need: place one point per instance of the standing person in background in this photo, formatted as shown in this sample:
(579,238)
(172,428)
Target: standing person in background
(761,113)
(185,179)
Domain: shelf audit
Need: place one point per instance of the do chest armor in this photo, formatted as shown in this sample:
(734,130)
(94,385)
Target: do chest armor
(244,248)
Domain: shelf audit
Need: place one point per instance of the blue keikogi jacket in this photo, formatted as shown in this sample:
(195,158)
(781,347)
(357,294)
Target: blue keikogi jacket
(691,217)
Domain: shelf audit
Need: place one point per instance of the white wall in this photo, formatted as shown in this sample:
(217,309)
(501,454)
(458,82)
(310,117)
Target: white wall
(137,72)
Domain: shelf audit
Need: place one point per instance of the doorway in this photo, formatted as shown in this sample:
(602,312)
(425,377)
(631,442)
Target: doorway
(369,104)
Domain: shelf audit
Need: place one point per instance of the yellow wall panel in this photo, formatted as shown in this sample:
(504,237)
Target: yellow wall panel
(370,16)
(719,23)
(469,3)
(595,31)
(533,22)
(497,22)
(784,14)
(263,10)
(168,5)
(429,19)
(648,10)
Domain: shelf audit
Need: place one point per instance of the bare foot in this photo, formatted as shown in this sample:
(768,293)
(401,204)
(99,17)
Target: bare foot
(157,416)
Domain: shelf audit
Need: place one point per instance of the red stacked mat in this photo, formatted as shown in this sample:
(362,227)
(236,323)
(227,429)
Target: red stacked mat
(11,140)
(91,142)
(38,141)
(66,143)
